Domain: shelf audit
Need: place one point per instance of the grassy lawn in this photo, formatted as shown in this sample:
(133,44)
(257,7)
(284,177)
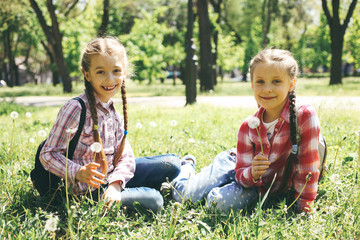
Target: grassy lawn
(203,131)
(305,87)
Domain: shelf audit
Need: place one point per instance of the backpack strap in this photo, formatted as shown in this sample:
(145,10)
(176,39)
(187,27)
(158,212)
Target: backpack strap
(74,141)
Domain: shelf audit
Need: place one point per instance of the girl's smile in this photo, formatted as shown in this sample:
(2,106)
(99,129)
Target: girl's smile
(271,85)
(106,74)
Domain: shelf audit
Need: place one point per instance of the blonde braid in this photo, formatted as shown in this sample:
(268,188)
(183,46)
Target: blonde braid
(123,140)
(101,158)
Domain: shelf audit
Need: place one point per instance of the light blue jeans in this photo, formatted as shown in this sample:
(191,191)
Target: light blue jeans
(215,183)
(150,173)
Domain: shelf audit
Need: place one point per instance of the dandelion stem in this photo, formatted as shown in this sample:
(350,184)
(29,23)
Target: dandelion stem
(307,179)
(262,150)
(66,169)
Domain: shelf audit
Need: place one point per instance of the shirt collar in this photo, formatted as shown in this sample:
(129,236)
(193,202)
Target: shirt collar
(285,113)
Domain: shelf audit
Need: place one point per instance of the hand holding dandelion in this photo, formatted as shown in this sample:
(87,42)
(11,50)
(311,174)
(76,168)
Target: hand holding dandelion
(254,123)
(260,162)
(88,173)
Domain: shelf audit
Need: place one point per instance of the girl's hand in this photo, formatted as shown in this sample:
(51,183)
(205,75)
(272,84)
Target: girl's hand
(89,175)
(259,165)
(112,194)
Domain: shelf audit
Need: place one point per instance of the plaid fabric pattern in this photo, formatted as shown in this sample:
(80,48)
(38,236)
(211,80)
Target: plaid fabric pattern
(278,149)
(53,154)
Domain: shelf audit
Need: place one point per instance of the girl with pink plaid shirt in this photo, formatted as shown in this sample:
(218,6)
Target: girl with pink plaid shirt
(112,169)
(265,151)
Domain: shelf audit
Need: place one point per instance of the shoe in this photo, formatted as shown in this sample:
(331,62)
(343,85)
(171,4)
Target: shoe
(188,158)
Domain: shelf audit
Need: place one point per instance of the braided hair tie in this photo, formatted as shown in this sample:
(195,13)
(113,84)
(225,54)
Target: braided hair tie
(294,149)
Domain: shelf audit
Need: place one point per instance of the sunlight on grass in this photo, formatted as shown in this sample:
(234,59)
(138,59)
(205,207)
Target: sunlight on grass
(203,131)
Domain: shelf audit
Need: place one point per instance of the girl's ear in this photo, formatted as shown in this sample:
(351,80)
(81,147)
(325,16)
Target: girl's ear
(292,84)
(86,75)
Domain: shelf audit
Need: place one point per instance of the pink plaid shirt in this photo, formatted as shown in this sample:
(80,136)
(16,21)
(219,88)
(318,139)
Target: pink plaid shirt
(278,149)
(111,131)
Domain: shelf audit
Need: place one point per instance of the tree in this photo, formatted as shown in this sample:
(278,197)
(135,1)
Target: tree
(205,72)
(337,32)
(105,19)
(54,41)
(190,61)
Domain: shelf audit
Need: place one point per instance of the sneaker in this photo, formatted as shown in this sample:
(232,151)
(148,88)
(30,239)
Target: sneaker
(188,158)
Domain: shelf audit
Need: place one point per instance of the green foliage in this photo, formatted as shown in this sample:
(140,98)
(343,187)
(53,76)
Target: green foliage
(212,129)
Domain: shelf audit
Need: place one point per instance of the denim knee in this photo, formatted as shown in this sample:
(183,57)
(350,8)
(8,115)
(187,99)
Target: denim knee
(172,165)
(153,200)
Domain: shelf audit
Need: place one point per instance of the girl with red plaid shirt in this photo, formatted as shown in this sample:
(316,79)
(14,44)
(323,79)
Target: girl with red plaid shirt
(266,150)
(273,76)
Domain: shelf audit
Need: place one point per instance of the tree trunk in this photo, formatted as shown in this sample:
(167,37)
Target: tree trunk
(205,73)
(54,42)
(217,9)
(13,68)
(337,42)
(190,60)
(337,32)
(267,22)
(105,20)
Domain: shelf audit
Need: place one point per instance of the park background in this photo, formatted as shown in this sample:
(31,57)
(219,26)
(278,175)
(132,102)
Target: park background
(42,44)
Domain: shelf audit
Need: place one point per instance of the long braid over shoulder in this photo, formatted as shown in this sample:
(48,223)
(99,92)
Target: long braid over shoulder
(107,46)
(123,140)
(292,159)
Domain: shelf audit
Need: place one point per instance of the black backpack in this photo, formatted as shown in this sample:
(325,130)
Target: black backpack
(44,181)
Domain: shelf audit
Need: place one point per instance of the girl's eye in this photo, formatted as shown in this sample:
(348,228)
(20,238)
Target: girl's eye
(117,70)
(276,81)
(259,81)
(100,72)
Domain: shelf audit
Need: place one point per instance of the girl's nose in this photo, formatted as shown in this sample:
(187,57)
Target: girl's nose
(267,88)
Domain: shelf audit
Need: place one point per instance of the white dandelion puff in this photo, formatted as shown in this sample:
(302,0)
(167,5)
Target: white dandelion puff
(96,147)
(191,140)
(28,114)
(42,133)
(173,123)
(14,115)
(335,178)
(253,122)
(51,224)
(153,124)
(139,125)
(71,130)
(32,140)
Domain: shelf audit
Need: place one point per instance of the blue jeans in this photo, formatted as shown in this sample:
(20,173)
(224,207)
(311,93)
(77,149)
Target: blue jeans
(215,183)
(150,173)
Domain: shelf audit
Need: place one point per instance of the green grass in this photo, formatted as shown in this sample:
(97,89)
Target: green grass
(214,129)
(305,87)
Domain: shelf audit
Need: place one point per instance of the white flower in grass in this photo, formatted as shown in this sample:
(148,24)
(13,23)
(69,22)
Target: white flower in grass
(253,122)
(14,115)
(32,140)
(335,178)
(71,130)
(139,125)
(153,124)
(51,224)
(96,147)
(42,133)
(28,115)
(191,140)
(173,123)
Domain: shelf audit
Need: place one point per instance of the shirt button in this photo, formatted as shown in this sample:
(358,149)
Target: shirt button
(276,129)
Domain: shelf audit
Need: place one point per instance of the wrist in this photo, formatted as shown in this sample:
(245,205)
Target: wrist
(117,185)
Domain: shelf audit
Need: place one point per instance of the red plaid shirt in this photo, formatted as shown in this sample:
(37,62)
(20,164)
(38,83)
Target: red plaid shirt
(111,131)
(278,149)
